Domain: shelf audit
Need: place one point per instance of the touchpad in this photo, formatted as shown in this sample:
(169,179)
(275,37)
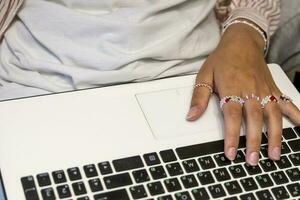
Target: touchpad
(165,112)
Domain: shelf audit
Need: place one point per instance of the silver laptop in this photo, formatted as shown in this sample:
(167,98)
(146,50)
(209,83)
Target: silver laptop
(132,142)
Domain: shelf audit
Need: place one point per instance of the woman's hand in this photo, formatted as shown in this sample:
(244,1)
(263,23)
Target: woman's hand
(237,67)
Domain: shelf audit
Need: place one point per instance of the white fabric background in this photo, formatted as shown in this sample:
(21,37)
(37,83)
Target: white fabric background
(64,45)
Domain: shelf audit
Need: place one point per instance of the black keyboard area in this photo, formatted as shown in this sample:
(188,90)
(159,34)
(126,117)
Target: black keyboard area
(195,172)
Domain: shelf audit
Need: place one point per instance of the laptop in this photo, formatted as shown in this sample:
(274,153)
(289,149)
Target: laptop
(132,141)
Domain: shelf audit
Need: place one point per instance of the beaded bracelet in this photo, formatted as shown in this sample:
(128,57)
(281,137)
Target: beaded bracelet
(251,25)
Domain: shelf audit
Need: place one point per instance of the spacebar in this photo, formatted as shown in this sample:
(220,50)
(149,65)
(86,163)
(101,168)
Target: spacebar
(205,149)
(114,195)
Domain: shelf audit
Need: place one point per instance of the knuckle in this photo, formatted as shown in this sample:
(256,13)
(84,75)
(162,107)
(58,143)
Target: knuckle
(273,109)
(256,113)
(233,112)
(253,109)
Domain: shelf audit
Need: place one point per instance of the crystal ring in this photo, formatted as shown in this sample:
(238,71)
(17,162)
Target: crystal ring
(202,84)
(235,99)
(284,98)
(251,97)
(268,99)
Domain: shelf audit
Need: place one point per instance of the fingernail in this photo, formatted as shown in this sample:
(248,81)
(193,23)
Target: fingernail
(253,158)
(276,153)
(192,113)
(231,153)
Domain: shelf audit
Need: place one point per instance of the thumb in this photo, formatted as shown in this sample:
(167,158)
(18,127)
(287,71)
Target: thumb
(201,95)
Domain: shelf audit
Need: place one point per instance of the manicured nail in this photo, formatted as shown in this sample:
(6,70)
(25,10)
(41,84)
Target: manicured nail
(276,153)
(192,113)
(231,153)
(253,158)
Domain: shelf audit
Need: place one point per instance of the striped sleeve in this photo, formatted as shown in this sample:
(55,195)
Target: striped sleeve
(264,13)
(8,11)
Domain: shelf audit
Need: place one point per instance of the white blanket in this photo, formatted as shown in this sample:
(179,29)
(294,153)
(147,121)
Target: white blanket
(60,45)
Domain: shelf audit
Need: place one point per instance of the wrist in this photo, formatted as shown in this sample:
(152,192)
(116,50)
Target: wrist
(243,36)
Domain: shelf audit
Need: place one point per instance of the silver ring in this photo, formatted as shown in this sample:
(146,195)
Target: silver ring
(235,99)
(268,99)
(202,84)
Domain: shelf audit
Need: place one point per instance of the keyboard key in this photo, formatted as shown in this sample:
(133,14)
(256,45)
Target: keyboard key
(237,171)
(183,196)
(200,149)
(248,196)
(166,197)
(252,170)
(264,180)
(280,193)
(151,159)
(168,155)
(205,148)
(141,176)
(205,177)
(297,130)
(95,185)
(264,150)
(284,148)
(29,188)
(129,163)
(43,179)
(233,187)
(105,168)
(90,170)
(221,174)
(216,191)
(157,172)
(295,158)
(190,166)
(48,194)
(200,194)
(172,184)
(294,144)
(155,188)
(174,169)
(294,189)
(79,188)
(113,195)
(189,181)
(74,173)
(248,184)
(231,198)
(264,139)
(206,162)
(264,195)
(240,157)
(293,174)
(63,191)
(283,162)
(59,176)
(222,160)
(279,177)
(83,198)
(288,133)
(138,192)
(117,180)
(267,165)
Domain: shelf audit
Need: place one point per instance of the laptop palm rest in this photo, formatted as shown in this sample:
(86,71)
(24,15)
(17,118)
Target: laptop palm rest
(167,118)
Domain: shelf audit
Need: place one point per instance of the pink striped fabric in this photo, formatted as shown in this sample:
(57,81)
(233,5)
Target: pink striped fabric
(8,11)
(264,13)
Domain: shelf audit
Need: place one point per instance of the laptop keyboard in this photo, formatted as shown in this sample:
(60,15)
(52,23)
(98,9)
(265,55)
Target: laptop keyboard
(195,172)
